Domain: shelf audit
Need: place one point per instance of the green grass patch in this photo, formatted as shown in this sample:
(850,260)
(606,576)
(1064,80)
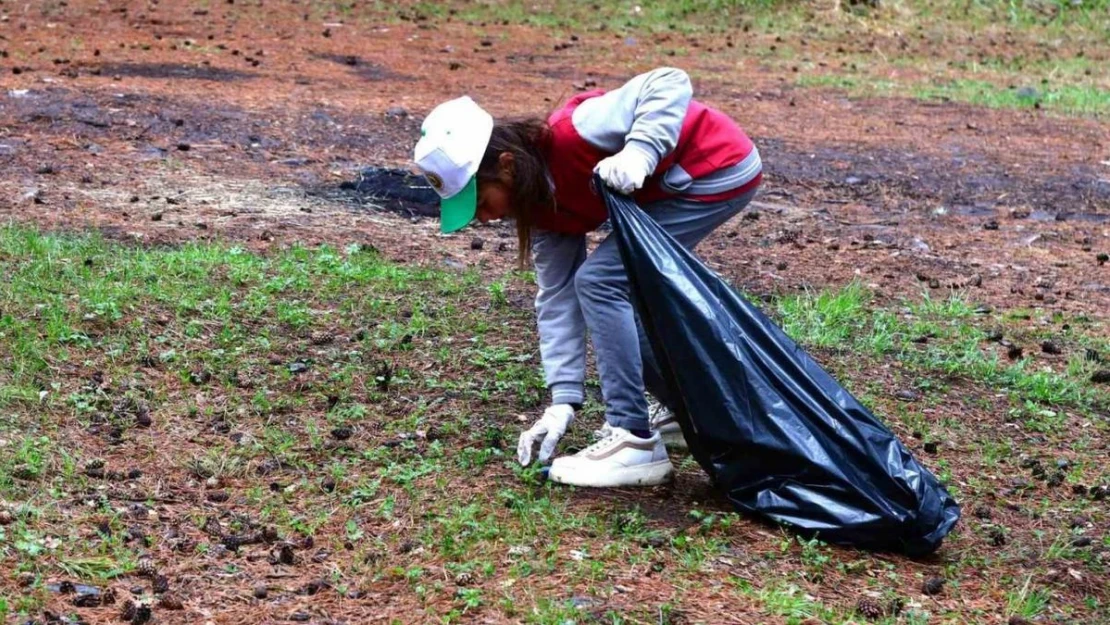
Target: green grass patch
(939,336)
(1064,98)
(1072,99)
(251,365)
(668,15)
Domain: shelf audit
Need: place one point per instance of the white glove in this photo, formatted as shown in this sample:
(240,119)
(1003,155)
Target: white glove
(550,428)
(625,171)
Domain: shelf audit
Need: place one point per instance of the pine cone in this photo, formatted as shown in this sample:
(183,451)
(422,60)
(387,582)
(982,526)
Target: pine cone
(212,528)
(933,586)
(185,545)
(285,554)
(127,610)
(95,469)
(161,584)
(270,534)
(146,567)
(322,337)
(870,608)
(142,615)
(171,602)
(233,542)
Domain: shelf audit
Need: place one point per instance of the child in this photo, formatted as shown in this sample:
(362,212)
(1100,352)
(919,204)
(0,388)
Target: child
(688,166)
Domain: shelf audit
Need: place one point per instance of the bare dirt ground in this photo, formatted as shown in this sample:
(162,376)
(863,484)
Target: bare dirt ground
(160,123)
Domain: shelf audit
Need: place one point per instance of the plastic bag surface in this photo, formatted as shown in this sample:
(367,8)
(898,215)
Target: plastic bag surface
(773,429)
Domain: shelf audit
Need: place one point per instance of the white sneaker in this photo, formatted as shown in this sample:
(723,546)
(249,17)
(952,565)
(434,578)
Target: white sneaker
(662,420)
(619,459)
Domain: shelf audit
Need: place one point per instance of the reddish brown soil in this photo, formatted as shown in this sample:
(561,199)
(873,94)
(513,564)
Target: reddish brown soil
(164,124)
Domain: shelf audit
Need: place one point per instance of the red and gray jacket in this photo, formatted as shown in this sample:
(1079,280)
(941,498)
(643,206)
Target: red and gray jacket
(699,154)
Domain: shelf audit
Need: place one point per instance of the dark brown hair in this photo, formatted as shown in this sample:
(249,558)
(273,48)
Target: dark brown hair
(527,140)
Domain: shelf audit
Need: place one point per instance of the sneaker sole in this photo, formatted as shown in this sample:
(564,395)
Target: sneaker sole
(651,474)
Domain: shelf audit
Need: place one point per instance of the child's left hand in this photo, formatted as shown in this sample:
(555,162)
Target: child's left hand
(626,170)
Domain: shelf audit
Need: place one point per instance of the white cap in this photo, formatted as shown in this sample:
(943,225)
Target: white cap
(453,139)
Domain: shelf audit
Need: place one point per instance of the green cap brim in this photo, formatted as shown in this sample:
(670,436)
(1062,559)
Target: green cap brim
(458,210)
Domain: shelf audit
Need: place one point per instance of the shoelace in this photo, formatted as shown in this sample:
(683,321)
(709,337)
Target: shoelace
(656,412)
(610,434)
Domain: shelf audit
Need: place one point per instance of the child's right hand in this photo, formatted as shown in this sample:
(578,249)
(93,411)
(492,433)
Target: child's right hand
(546,432)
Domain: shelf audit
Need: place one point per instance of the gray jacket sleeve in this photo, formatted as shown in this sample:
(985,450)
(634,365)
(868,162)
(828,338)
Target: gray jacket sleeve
(646,113)
(561,325)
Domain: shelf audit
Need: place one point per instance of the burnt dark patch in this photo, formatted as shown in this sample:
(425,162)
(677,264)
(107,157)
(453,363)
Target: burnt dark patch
(969,183)
(173,71)
(395,190)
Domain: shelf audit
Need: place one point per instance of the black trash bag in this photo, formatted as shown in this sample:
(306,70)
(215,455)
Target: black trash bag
(776,432)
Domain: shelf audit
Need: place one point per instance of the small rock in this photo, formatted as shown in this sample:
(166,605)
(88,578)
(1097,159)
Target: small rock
(396,111)
(300,617)
(991,225)
(1078,521)
(297,367)
(1081,541)
(260,591)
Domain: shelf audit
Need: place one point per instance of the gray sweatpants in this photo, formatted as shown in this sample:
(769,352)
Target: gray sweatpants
(625,362)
